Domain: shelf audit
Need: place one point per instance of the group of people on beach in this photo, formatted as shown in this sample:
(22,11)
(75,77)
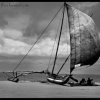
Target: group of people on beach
(88,82)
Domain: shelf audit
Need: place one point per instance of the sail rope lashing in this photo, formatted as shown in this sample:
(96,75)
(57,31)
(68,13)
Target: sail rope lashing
(59,39)
(73,53)
(74,40)
(36,40)
(53,46)
(80,34)
(70,37)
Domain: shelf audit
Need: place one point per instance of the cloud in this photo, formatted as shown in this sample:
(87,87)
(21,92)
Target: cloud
(12,40)
(1,37)
(16,26)
(42,48)
(45,48)
(8,44)
(18,22)
(12,33)
(14,47)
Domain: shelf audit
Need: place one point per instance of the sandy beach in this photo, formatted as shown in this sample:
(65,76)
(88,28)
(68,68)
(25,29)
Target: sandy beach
(35,85)
(43,90)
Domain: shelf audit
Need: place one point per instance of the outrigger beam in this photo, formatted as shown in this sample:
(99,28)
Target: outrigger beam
(15,77)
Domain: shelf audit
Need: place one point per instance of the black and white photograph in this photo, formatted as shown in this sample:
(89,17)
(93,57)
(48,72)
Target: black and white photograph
(49,50)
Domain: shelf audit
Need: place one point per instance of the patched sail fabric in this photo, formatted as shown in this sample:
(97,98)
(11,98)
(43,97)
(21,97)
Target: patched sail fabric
(84,39)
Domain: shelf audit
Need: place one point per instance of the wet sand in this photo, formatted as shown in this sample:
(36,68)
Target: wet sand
(26,89)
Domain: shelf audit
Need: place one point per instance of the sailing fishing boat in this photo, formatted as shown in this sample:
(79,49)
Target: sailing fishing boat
(84,43)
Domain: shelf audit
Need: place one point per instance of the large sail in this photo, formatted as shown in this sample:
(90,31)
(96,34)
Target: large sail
(84,39)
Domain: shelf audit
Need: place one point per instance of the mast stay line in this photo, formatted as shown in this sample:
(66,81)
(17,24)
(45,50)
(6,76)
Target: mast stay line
(36,40)
(58,40)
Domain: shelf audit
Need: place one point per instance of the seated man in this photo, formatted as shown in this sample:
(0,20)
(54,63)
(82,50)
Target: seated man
(83,81)
(90,82)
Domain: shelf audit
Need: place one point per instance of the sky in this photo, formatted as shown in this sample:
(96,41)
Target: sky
(21,23)
(21,26)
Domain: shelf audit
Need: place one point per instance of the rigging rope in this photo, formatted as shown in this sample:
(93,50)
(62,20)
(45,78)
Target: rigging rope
(53,46)
(63,65)
(59,39)
(37,40)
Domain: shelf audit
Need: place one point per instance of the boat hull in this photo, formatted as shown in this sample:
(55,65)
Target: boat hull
(62,82)
(58,81)
(55,81)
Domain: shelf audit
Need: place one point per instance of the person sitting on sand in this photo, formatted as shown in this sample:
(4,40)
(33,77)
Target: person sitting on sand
(83,81)
(90,81)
